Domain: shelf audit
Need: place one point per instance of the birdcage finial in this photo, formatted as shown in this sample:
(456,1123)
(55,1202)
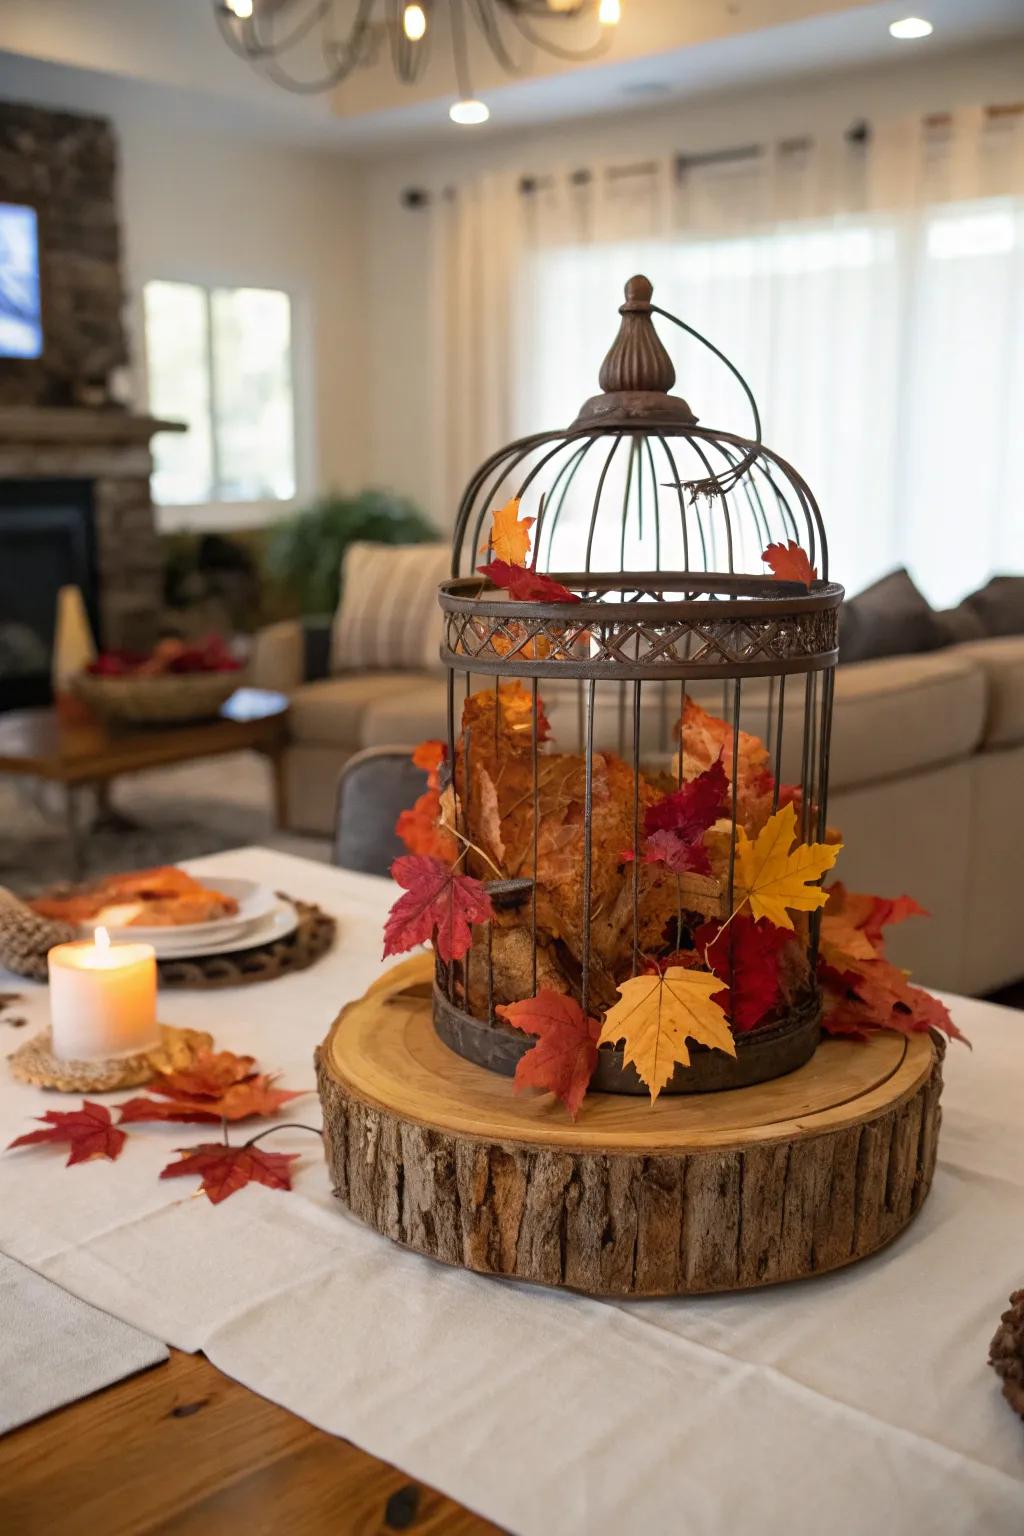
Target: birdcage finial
(637,373)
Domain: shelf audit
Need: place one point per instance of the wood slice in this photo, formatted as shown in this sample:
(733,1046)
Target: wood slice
(707,1192)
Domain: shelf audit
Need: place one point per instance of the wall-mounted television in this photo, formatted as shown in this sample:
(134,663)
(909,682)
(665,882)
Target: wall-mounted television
(21,326)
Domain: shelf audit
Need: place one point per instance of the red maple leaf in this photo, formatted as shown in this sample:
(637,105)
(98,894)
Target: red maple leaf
(751,951)
(437,904)
(564,1058)
(88,1131)
(225,1170)
(788,562)
(526,585)
(675,825)
(875,994)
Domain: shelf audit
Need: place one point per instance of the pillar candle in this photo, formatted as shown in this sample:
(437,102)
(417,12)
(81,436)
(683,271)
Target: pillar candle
(102,999)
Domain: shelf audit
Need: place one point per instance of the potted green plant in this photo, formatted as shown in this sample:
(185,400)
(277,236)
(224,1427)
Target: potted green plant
(304,552)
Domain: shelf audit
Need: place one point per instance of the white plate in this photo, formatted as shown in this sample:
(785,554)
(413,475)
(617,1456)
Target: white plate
(274,925)
(255,901)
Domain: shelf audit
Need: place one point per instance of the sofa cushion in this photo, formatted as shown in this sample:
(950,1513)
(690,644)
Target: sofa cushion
(334,711)
(411,715)
(1002,662)
(902,714)
(388,616)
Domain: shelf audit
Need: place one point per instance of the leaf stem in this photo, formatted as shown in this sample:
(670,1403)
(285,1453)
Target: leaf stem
(290,1125)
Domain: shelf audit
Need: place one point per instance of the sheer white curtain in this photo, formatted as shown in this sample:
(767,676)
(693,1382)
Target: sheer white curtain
(871,293)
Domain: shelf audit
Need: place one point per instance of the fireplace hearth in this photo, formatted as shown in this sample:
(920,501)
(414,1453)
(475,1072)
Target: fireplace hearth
(46,542)
(75,508)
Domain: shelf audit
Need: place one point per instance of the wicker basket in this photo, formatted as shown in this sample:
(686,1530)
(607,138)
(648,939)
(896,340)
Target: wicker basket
(170,699)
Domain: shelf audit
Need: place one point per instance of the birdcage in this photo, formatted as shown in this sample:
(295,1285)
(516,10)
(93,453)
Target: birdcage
(669,648)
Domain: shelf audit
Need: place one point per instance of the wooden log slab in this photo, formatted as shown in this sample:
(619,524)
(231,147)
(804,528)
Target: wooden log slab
(707,1192)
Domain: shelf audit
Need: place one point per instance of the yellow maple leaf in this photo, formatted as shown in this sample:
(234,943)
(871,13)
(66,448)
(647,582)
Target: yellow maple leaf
(772,875)
(658,1014)
(510,533)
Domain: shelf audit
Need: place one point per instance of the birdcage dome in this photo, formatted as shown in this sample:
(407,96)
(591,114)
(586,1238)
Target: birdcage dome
(637,504)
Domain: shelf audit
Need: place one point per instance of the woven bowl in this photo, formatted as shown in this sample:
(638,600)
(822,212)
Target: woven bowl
(172,699)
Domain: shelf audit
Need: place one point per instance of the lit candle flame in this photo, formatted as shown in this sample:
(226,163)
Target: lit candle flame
(101,939)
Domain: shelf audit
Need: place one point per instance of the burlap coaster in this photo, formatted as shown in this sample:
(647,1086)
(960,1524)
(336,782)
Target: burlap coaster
(34,1062)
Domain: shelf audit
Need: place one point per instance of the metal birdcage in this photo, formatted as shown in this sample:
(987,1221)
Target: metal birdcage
(564,720)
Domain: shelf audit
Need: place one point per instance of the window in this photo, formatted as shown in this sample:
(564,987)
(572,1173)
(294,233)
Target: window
(219,359)
(886,352)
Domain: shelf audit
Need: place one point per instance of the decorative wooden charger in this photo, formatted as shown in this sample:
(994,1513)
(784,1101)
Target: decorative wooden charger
(25,938)
(706,1192)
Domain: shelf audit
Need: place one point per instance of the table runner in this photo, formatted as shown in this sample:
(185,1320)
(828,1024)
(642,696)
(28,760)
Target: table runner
(842,1403)
(55,1348)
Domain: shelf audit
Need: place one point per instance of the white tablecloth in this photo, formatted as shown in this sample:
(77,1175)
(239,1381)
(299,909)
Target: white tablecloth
(852,1404)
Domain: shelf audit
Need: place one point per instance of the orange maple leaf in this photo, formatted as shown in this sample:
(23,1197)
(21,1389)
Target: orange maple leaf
(510,533)
(788,562)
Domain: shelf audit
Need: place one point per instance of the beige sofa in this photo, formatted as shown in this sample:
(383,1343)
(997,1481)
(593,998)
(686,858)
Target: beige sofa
(927,780)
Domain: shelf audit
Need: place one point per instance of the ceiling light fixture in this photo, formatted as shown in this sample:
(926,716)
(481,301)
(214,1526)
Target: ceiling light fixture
(308,46)
(414,22)
(910,28)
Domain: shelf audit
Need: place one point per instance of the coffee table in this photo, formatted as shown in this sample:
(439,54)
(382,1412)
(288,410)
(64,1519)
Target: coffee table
(37,743)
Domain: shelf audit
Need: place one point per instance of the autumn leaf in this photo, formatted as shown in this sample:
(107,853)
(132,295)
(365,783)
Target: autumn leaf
(508,714)
(788,562)
(526,585)
(208,1075)
(657,1014)
(242,1101)
(675,825)
(875,994)
(437,904)
(774,877)
(420,829)
(430,756)
(225,1170)
(748,953)
(510,533)
(867,915)
(88,1131)
(565,1056)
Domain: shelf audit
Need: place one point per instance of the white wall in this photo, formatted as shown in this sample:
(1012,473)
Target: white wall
(401,451)
(200,202)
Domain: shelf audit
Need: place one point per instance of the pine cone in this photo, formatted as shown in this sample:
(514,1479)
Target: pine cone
(1006,1352)
(25,937)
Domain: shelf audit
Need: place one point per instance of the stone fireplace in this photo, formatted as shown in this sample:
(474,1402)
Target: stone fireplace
(75,506)
(75,501)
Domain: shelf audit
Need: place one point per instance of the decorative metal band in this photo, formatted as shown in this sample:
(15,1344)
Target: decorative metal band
(761,1054)
(744,626)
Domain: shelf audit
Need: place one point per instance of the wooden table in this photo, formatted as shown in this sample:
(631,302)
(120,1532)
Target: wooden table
(37,743)
(183,1450)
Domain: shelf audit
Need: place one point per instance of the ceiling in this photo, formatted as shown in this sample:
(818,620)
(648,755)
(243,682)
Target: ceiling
(124,50)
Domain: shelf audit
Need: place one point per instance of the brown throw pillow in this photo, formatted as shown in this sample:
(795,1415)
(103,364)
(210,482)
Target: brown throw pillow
(890,618)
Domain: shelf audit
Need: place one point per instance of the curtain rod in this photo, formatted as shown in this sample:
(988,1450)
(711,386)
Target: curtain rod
(858,135)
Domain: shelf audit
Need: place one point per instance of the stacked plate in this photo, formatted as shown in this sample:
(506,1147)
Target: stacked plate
(262,917)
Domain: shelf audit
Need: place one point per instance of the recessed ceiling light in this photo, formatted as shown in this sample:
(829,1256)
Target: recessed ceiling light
(910,27)
(469,111)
